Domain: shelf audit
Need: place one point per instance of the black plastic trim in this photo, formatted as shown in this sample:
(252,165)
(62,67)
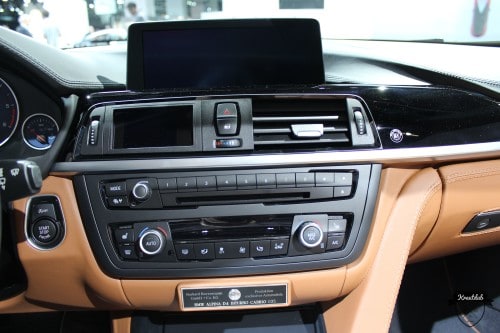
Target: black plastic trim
(97,217)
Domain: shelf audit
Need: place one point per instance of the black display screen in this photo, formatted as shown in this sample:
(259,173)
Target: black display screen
(154,127)
(219,54)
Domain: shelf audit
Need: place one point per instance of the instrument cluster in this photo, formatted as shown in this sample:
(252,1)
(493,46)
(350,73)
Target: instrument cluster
(27,117)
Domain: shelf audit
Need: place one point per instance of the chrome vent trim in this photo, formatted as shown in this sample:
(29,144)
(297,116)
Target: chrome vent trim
(301,124)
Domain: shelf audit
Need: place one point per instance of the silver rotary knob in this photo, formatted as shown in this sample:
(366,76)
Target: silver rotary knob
(141,191)
(310,234)
(151,242)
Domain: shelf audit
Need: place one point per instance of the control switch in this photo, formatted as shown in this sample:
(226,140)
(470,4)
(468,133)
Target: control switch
(151,242)
(226,119)
(44,231)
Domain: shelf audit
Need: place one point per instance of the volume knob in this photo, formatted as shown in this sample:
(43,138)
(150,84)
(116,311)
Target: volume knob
(310,234)
(141,191)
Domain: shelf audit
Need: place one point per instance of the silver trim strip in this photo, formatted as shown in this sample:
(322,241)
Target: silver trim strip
(383,156)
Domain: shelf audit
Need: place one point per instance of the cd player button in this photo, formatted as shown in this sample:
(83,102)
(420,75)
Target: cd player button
(207,183)
(343,179)
(204,251)
(119,201)
(267,180)
(278,247)
(285,179)
(186,184)
(225,183)
(246,181)
(117,188)
(335,241)
(260,248)
(185,251)
(304,179)
(167,184)
(342,191)
(324,179)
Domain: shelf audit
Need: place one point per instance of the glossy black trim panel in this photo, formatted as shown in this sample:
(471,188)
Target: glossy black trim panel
(430,116)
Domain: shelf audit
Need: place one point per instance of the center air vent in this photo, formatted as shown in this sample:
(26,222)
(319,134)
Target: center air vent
(302,124)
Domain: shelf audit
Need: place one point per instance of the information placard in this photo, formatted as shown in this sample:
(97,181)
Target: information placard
(234,297)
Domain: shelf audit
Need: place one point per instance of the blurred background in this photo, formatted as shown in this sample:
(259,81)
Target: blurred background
(80,23)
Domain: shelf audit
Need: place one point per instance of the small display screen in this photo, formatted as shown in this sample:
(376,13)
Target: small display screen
(155,127)
(219,54)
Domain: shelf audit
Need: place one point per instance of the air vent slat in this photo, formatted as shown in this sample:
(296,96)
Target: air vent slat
(276,141)
(291,119)
(273,120)
(288,130)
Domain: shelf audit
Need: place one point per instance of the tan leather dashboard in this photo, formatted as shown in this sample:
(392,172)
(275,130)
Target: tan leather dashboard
(419,213)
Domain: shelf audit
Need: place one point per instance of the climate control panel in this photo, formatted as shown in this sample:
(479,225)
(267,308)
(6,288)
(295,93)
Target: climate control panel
(209,239)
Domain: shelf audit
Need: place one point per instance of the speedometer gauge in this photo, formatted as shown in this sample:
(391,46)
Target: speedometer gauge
(40,131)
(9,112)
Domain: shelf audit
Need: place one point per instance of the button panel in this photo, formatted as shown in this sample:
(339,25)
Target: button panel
(260,218)
(336,185)
(295,235)
(232,250)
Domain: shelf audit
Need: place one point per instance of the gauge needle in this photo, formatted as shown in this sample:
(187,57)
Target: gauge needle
(41,138)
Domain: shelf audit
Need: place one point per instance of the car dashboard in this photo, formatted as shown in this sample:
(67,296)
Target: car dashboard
(238,199)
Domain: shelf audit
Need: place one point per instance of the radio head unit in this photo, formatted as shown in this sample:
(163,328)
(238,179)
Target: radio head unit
(227,222)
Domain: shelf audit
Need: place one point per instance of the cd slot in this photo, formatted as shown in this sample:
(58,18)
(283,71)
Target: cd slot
(246,196)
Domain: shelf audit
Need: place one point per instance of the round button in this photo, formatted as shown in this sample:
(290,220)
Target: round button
(151,242)
(141,191)
(310,234)
(44,231)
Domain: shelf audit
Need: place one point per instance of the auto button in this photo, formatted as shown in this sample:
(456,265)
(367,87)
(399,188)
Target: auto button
(151,242)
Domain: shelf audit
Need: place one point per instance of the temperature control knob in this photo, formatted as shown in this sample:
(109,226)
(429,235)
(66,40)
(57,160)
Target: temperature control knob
(141,191)
(310,234)
(151,242)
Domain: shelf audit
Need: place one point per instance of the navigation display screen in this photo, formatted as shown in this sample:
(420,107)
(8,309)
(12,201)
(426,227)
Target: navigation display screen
(224,53)
(170,126)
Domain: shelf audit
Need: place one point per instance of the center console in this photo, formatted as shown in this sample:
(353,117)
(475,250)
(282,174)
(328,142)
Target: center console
(219,223)
(157,201)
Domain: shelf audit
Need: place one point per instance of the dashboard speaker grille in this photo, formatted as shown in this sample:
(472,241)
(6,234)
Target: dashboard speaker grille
(300,124)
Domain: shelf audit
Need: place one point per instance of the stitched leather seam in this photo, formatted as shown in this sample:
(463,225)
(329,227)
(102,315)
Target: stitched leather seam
(47,70)
(430,192)
(461,176)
